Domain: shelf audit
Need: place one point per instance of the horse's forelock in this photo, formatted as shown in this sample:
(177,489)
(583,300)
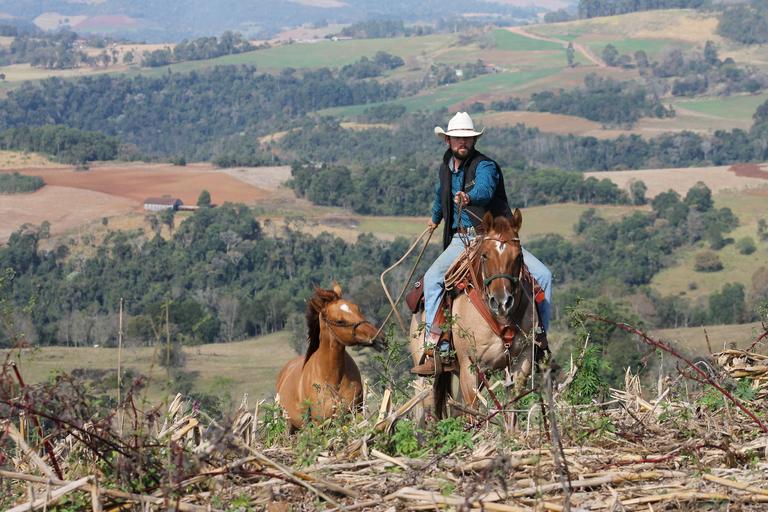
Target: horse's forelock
(503,227)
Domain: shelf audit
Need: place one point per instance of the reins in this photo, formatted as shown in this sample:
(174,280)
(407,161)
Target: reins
(394,304)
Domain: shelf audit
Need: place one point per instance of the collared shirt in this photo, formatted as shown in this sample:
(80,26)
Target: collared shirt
(486,178)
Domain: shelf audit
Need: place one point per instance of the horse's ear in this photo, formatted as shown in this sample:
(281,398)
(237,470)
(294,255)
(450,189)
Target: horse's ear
(488,222)
(337,289)
(517,220)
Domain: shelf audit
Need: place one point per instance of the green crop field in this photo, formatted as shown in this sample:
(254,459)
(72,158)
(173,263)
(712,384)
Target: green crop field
(728,107)
(652,47)
(449,95)
(326,53)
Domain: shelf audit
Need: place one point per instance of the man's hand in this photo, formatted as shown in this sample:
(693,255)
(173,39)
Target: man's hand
(431,225)
(461,198)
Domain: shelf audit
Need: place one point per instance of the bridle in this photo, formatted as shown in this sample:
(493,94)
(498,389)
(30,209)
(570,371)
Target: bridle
(515,280)
(342,324)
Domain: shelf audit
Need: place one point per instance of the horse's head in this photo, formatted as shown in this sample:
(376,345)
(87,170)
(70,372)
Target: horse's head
(347,324)
(501,263)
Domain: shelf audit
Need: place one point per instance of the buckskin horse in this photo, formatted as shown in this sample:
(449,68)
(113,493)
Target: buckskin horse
(326,379)
(493,317)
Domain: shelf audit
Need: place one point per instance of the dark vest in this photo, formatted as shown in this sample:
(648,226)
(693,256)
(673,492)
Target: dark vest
(498,205)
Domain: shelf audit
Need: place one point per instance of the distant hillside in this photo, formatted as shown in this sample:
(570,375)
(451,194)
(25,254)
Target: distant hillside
(177,19)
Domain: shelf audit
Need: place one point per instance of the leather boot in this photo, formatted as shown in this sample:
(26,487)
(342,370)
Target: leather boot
(426,368)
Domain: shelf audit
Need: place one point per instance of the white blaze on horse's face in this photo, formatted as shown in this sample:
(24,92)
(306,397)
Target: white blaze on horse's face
(500,246)
(345,307)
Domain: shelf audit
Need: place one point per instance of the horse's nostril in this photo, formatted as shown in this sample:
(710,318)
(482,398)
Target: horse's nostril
(508,303)
(493,302)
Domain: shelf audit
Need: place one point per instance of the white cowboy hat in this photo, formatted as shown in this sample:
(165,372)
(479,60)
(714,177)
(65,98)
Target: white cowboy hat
(460,125)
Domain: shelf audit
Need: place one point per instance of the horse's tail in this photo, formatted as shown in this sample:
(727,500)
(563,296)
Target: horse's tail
(443,389)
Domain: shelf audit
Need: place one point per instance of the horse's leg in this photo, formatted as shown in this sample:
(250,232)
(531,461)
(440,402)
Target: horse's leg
(467,382)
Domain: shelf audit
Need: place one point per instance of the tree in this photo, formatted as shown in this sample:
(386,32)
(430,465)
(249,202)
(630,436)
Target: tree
(746,245)
(707,261)
(167,217)
(728,305)
(710,54)
(610,55)
(570,55)
(759,290)
(128,57)
(699,197)
(637,190)
(641,61)
(204,199)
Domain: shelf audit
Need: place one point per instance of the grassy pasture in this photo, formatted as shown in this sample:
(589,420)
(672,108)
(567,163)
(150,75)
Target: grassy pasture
(733,108)
(749,206)
(538,220)
(511,42)
(693,340)
(324,53)
(652,47)
(223,369)
(17,159)
(670,24)
(456,94)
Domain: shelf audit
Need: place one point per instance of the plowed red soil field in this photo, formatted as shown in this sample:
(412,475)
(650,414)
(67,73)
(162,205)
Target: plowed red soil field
(72,198)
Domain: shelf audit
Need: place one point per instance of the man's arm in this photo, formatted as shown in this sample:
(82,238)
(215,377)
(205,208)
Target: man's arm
(486,178)
(437,210)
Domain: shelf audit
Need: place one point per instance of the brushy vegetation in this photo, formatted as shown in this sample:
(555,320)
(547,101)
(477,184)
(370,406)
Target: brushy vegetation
(696,438)
(18,184)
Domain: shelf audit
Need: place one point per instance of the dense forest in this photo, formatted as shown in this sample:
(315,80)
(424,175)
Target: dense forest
(50,51)
(745,23)
(15,183)
(225,276)
(201,48)
(604,100)
(376,190)
(595,8)
(411,143)
(186,113)
(66,145)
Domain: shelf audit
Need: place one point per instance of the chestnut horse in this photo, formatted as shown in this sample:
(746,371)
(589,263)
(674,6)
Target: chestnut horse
(326,379)
(507,297)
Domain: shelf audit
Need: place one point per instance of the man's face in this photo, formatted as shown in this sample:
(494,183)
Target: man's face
(461,146)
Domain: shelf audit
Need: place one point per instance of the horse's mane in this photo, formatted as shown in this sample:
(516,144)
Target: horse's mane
(315,305)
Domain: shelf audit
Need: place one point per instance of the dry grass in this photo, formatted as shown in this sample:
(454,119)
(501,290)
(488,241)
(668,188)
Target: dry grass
(225,369)
(18,159)
(693,340)
(66,208)
(749,207)
(673,24)
(681,180)
(677,446)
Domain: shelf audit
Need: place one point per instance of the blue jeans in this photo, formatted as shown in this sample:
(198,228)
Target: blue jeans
(435,278)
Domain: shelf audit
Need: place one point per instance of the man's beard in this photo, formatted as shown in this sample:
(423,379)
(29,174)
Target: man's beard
(457,153)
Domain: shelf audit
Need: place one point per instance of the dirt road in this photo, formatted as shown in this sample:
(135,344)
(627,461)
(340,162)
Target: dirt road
(586,52)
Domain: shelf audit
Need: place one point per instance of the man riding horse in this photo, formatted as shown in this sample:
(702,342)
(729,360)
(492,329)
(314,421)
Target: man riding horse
(470,184)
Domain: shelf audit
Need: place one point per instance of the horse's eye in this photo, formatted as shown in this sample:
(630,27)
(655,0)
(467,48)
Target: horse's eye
(483,256)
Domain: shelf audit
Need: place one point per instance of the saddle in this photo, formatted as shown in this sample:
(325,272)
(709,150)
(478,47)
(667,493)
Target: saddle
(458,281)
